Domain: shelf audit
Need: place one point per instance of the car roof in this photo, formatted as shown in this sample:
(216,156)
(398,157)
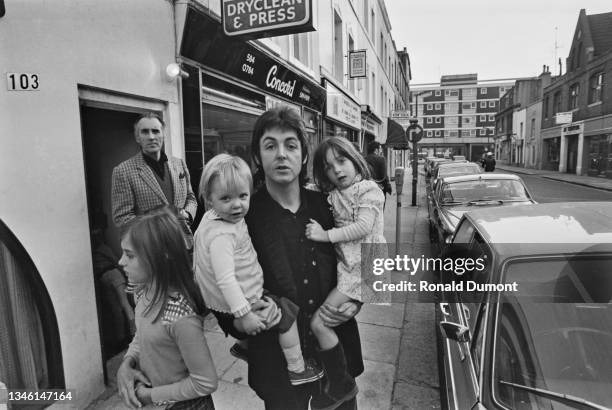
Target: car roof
(571,223)
(458,164)
(477,177)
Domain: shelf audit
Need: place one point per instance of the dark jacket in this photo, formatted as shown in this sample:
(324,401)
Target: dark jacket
(378,168)
(303,271)
(488,163)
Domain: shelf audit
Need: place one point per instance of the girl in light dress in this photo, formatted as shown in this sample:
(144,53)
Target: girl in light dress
(357,205)
(168,362)
(226,267)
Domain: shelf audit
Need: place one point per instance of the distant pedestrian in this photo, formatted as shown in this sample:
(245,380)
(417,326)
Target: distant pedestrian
(226,267)
(488,162)
(378,167)
(151,179)
(357,204)
(168,361)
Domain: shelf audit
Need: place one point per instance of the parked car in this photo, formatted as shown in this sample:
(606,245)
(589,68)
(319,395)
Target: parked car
(447,169)
(459,158)
(452,196)
(547,344)
(433,164)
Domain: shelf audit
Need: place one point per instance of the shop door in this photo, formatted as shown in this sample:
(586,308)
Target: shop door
(572,154)
(108,139)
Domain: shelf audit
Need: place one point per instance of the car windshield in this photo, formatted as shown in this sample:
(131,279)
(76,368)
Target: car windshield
(458,170)
(562,346)
(483,190)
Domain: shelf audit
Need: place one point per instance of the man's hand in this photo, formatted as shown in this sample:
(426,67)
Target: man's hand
(127,377)
(144,394)
(185,215)
(315,232)
(252,324)
(334,316)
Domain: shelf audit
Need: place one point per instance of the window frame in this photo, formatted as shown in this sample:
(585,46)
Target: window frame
(596,92)
(491,104)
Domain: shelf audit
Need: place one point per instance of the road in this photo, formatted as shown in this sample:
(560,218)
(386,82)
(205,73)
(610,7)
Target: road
(547,190)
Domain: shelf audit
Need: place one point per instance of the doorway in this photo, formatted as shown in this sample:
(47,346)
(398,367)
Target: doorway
(572,153)
(108,139)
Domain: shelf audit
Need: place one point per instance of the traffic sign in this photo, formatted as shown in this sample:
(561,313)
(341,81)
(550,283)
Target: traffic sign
(415,133)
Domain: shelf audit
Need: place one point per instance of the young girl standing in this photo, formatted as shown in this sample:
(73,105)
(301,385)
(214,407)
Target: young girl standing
(168,363)
(357,205)
(226,266)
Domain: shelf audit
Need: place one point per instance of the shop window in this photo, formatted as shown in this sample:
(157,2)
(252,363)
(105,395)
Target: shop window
(30,352)
(595,85)
(574,92)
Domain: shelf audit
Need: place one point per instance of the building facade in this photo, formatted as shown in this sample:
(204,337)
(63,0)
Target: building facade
(577,106)
(457,115)
(75,86)
(512,125)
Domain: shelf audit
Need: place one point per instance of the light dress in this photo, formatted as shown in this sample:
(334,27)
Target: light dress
(345,206)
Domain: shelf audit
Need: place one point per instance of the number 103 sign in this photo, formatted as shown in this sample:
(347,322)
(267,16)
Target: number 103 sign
(22,82)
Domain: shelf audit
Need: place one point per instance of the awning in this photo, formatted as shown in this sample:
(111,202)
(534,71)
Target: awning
(396,137)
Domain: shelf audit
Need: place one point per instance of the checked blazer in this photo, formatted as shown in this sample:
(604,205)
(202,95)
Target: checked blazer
(135,191)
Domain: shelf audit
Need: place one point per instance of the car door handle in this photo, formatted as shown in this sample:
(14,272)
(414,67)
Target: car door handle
(444,308)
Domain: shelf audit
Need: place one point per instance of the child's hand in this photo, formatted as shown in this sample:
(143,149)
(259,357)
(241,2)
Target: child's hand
(315,232)
(252,324)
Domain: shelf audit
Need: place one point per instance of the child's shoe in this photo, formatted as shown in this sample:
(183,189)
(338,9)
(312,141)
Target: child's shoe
(239,352)
(312,372)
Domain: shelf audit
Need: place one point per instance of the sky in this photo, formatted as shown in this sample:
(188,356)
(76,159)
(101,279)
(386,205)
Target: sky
(496,39)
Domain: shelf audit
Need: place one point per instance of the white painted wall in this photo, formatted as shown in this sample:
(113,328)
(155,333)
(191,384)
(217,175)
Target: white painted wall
(113,45)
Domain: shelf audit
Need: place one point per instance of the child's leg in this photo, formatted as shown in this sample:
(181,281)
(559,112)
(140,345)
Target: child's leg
(325,335)
(290,344)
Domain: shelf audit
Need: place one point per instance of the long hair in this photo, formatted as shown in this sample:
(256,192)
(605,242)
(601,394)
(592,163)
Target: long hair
(229,170)
(340,146)
(159,244)
(285,119)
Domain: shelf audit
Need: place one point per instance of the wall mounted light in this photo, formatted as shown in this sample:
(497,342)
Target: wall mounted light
(174,70)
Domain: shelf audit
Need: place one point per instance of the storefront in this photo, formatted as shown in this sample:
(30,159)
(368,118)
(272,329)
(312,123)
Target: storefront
(231,82)
(370,126)
(551,150)
(598,146)
(342,115)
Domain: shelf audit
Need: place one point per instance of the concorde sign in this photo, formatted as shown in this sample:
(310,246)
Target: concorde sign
(265,18)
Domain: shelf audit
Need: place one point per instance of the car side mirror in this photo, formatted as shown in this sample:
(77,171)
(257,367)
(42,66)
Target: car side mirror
(455,331)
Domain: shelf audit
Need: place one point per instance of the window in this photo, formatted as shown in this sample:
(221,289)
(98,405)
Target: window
(595,84)
(438,106)
(491,131)
(351,47)
(429,106)
(502,90)
(532,130)
(437,133)
(451,93)
(574,92)
(491,104)
(301,48)
(483,118)
(438,120)
(365,14)
(429,133)
(454,133)
(482,131)
(465,133)
(483,91)
(473,133)
(483,104)
(373,26)
(438,93)
(546,102)
(429,120)
(491,117)
(451,108)
(447,133)
(380,48)
(338,50)
(469,93)
(557,102)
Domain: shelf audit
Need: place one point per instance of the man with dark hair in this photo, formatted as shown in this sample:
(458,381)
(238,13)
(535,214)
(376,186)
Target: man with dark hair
(488,162)
(294,267)
(378,167)
(150,180)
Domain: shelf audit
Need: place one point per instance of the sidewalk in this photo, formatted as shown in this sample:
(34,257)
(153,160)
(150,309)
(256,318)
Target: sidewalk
(593,182)
(400,364)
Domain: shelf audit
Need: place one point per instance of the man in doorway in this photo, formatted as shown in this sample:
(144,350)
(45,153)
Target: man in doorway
(294,267)
(151,179)
(488,162)
(378,167)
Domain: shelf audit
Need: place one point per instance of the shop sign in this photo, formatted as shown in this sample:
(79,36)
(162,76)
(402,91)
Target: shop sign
(206,43)
(341,108)
(272,102)
(563,118)
(266,18)
(357,64)
(369,126)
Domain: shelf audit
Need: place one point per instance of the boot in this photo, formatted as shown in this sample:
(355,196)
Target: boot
(341,386)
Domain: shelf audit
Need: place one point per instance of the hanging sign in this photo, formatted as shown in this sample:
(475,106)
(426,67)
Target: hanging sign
(266,18)
(357,64)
